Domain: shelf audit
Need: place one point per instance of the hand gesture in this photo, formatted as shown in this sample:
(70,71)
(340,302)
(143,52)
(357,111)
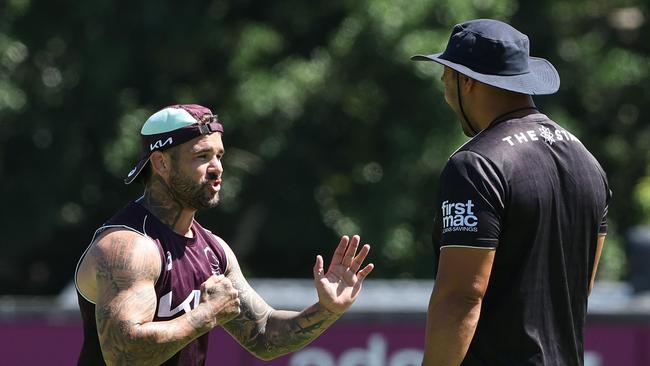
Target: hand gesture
(340,285)
(221,298)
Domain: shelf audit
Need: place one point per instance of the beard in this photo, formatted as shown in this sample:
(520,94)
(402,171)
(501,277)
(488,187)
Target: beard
(189,193)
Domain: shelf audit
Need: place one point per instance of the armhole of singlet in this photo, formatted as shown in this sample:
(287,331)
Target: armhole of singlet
(92,241)
(225,255)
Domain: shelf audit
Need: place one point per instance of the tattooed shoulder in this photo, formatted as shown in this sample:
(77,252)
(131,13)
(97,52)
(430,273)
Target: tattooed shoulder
(122,257)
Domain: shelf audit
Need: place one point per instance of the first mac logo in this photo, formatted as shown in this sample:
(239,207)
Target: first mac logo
(458,216)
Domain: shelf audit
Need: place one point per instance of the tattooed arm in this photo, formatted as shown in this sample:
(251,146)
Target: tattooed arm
(127,266)
(270,333)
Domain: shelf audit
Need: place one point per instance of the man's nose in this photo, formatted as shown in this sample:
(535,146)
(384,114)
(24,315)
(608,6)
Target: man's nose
(215,165)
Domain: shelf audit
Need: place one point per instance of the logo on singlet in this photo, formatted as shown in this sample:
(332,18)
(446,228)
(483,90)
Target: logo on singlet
(213,261)
(458,216)
(165,304)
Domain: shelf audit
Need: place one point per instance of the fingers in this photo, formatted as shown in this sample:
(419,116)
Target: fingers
(348,257)
(215,284)
(358,260)
(361,275)
(346,254)
(318,267)
(339,252)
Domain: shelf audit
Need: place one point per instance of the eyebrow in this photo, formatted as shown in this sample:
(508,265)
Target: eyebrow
(205,149)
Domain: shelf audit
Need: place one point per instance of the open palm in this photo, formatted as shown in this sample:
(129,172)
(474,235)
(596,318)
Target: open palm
(340,285)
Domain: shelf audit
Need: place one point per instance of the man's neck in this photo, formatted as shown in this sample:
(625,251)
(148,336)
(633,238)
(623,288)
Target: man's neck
(159,200)
(515,111)
(506,108)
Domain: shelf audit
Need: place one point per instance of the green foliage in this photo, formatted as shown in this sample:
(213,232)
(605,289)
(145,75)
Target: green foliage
(330,129)
(642,196)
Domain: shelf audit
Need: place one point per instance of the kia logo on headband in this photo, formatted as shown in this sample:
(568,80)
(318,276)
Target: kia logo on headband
(158,144)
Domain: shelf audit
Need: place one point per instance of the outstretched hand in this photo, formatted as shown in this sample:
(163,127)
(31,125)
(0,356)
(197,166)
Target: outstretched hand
(340,285)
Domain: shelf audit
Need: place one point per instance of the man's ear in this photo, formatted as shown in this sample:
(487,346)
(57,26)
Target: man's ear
(467,83)
(160,163)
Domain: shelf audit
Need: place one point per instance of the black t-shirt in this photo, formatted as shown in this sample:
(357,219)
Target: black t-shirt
(529,189)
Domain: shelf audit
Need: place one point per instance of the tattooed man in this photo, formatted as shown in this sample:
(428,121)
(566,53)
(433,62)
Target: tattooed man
(153,282)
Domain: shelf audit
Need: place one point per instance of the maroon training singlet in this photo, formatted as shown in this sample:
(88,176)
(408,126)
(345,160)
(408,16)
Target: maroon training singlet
(186,263)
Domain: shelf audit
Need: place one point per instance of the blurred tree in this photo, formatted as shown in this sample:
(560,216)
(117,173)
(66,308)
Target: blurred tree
(330,129)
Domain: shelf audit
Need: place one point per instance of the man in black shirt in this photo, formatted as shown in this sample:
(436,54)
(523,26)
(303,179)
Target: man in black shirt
(520,220)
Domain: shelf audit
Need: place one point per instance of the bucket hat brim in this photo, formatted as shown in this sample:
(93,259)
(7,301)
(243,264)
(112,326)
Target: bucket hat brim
(541,79)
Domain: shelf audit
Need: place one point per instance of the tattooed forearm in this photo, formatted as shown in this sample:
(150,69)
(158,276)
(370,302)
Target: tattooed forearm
(144,342)
(281,331)
(289,331)
(270,333)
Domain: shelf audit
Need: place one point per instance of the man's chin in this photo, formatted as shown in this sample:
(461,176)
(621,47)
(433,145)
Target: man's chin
(207,203)
(213,202)
(211,198)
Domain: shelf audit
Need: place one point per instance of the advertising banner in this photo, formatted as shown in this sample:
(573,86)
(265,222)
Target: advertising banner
(347,343)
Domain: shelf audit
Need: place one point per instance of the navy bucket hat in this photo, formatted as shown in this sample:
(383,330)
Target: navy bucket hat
(496,54)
